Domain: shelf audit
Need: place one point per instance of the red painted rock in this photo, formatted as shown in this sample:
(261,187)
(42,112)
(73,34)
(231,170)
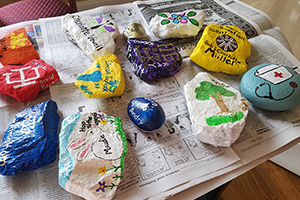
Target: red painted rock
(16,48)
(25,82)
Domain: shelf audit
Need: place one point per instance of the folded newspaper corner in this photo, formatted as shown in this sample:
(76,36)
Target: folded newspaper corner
(169,160)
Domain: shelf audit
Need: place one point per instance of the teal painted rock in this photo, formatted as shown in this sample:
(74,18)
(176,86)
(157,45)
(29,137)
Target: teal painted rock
(272,87)
(92,152)
(217,111)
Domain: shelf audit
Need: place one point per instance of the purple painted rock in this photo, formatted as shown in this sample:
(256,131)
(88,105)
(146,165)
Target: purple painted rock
(151,60)
(25,82)
(30,141)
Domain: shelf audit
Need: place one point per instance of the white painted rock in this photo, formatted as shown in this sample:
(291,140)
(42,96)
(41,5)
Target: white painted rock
(177,25)
(92,152)
(94,35)
(217,111)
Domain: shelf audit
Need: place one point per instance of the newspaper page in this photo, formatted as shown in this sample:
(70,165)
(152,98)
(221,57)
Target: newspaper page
(69,60)
(170,157)
(216,13)
(149,154)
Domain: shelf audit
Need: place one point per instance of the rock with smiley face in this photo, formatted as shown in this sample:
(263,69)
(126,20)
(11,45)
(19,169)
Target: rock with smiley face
(272,87)
(92,152)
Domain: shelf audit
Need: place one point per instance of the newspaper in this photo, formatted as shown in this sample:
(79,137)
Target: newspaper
(163,163)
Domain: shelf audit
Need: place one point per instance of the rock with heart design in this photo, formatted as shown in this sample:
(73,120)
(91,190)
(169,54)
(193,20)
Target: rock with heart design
(30,141)
(217,111)
(272,87)
(25,82)
(16,48)
(177,25)
(151,59)
(94,35)
(222,49)
(92,152)
(103,79)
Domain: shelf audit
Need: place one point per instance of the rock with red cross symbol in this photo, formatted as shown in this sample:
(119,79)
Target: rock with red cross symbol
(272,87)
(25,82)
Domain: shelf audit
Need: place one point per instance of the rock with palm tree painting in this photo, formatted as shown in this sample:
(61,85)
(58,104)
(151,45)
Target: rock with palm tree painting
(178,24)
(94,35)
(92,152)
(217,111)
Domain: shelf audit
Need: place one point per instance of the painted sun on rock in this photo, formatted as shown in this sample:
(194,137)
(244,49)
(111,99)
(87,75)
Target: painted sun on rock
(217,111)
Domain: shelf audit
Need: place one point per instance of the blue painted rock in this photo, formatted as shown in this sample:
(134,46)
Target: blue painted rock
(178,24)
(94,35)
(103,79)
(25,82)
(217,111)
(151,60)
(272,87)
(30,141)
(92,152)
(146,114)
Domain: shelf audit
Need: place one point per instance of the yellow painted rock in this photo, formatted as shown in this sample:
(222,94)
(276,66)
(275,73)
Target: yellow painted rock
(222,49)
(103,79)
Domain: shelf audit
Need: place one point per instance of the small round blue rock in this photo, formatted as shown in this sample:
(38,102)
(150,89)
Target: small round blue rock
(271,87)
(146,114)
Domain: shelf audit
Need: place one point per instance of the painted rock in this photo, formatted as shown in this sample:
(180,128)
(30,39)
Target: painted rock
(217,111)
(92,152)
(25,82)
(177,25)
(94,35)
(30,141)
(146,114)
(16,48)
(151,60)
(103,79)
(222,49)
(272,87)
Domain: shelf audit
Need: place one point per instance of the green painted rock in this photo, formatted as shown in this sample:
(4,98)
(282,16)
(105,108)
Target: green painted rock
(103,79)
(222,49)
(217,111)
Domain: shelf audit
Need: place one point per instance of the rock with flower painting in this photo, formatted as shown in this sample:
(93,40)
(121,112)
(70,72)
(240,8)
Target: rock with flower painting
(177,25)
(94,35)
(92,152)
(217,111)
(222,49)
(25,82)
(103,79)
(16,48)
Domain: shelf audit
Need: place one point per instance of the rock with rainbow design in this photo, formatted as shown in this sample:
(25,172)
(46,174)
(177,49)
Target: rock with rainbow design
(94,35)
(217,111)
(177,25)
(92,152)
